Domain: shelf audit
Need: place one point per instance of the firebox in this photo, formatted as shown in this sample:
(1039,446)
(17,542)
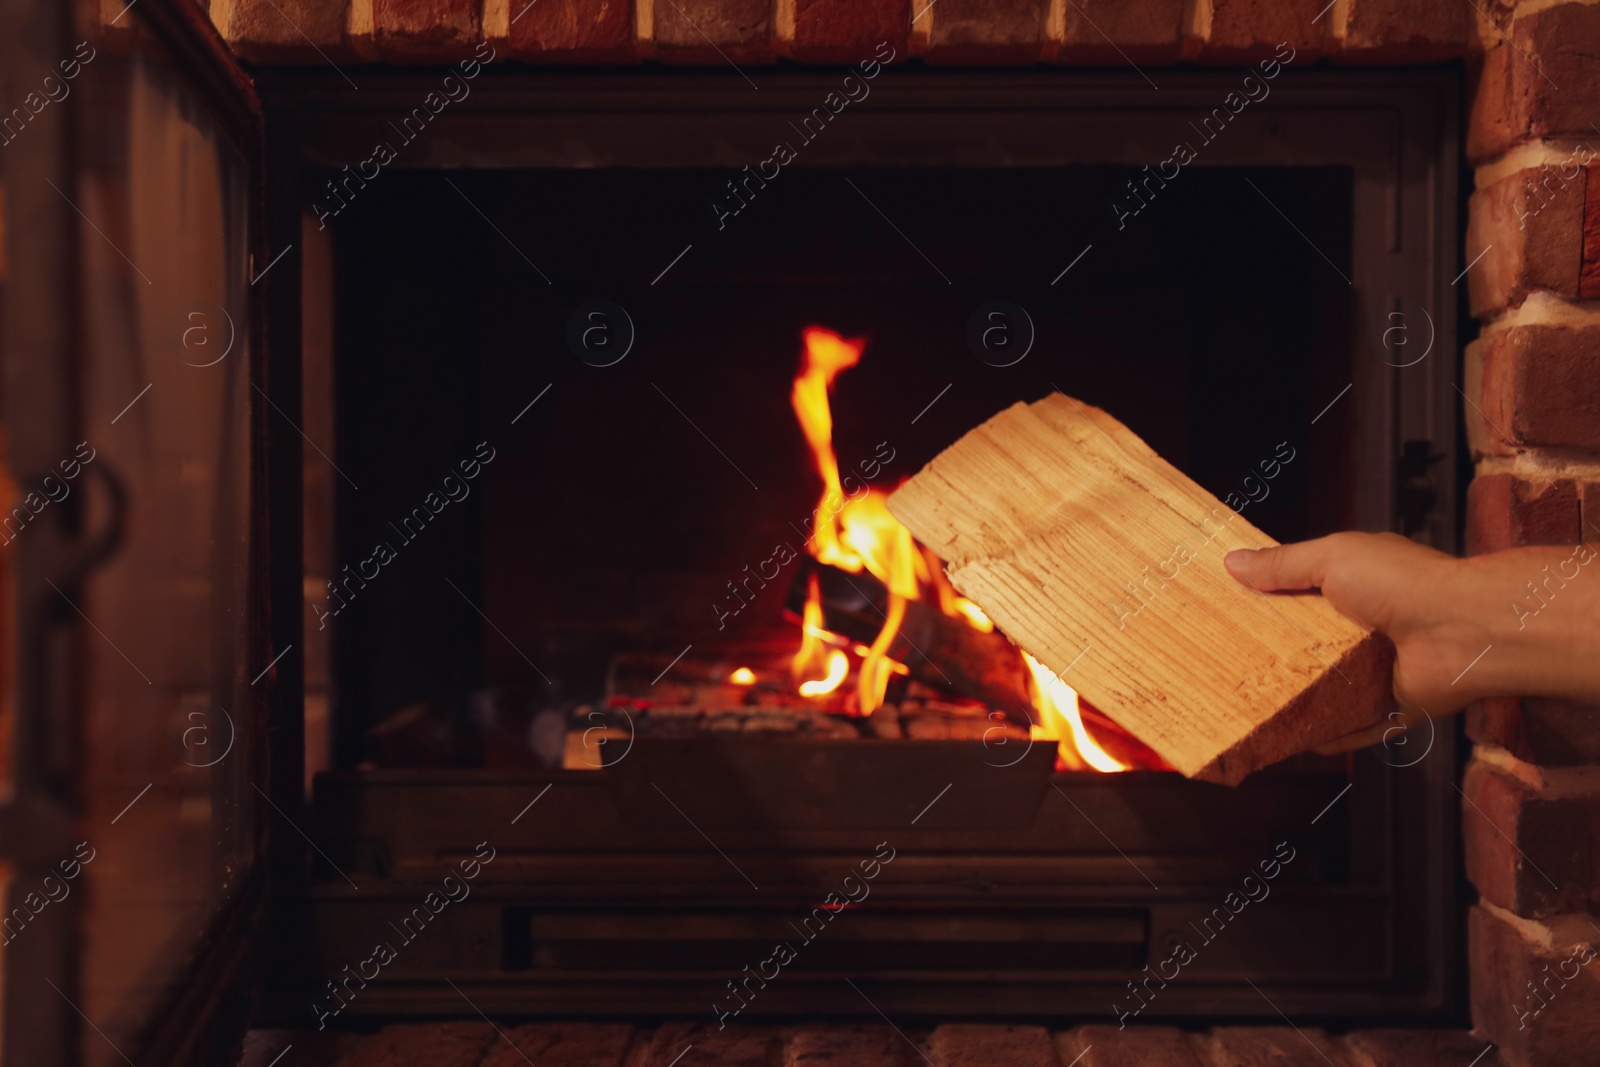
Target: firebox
(605,381)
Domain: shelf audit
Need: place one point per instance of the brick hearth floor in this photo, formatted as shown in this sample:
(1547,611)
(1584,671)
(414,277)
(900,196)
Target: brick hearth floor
(478,1044)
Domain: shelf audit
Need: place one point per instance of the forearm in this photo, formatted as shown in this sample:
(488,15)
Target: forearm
(1523,622)
(1540,621)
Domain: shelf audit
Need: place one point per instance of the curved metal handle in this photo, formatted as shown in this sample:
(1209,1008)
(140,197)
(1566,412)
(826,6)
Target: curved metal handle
(46,719)
(92,552)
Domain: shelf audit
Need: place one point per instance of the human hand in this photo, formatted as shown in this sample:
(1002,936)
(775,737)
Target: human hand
(1457,628)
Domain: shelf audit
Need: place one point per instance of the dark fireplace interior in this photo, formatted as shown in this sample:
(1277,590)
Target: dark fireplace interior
(629,540)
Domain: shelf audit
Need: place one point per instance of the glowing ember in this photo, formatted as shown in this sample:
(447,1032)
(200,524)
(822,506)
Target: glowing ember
(742,676)
(1059,720)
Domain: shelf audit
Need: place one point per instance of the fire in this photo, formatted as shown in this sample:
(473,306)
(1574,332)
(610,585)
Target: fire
(874,541)
(742,676)
(838,667)
(1060,720)
(818,669)
(951,602)
(826,355)
(861,535)
(853,535)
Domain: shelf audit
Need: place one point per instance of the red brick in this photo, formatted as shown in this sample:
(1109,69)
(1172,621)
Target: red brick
(848,1046)
(568,1044)
(734,1046)
(1506,511)
(1419,1048)
(685,30)
(282,31)
(1503,963)
(1492,127)
(1403,31)
(1547,733)
(849,31)
(1531,222)
(1135,1046)
(1540,386)
(425,30)
(1589,269)
(1114,33)
(1244,30)
(422,1045)
(975,1045)
(1528,854)
(1275,1046)
(576,31)
(1548,85)
(999,31)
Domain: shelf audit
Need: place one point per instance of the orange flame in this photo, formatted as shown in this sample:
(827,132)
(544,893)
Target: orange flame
(838,667)
(878,544)
(951,603)
(826,355)
(1060,720)
(872,682)
(853,535)
(818,669)
(861,535)
(742,676)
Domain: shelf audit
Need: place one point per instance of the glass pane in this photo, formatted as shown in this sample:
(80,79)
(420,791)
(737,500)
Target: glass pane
(166,393)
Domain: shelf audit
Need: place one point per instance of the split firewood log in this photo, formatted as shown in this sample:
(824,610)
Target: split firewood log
(1105,562)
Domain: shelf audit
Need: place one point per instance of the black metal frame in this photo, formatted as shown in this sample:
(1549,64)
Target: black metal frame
(1396,129)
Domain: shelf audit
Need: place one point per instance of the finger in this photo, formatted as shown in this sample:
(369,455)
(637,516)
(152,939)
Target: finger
(1299,566)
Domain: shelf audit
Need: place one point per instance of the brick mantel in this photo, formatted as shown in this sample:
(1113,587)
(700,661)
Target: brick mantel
(1077,32)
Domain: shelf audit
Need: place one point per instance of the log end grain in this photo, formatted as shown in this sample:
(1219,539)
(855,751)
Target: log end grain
(1353,693)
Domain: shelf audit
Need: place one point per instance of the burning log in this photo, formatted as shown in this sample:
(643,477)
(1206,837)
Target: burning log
(937,649)
(889,597)
(1105,562)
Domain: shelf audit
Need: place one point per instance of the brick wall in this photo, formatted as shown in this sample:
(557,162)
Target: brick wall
(1531,823)
(1079,32)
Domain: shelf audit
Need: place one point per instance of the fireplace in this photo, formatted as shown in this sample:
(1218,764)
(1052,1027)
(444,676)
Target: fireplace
(433,229)
(573,553)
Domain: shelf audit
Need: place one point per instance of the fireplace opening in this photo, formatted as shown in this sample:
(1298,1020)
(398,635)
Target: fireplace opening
(564,408)
(681,508)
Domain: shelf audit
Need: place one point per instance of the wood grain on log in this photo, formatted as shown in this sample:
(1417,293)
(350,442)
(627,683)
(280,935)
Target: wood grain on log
(1105,562)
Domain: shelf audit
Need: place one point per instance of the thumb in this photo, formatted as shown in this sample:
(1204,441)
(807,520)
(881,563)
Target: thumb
(1299,566)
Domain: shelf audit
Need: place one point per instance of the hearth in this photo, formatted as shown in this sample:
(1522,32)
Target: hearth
(563,551)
